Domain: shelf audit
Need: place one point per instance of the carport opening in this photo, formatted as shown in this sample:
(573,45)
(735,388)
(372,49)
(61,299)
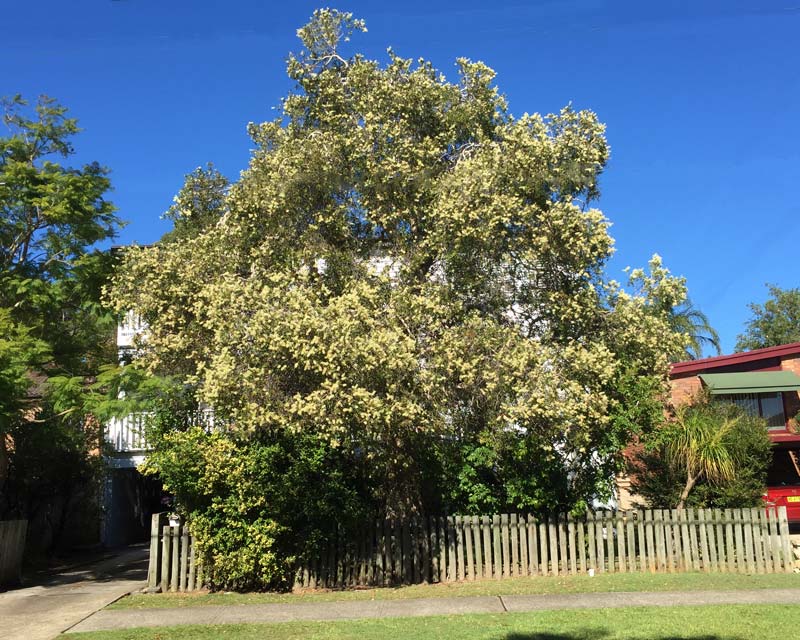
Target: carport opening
(785,468)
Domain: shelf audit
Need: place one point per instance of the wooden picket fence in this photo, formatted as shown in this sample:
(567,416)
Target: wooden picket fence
(454,548)
(12,547)
(173,562)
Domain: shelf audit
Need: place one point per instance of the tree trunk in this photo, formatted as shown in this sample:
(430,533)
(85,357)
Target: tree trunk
(690,480)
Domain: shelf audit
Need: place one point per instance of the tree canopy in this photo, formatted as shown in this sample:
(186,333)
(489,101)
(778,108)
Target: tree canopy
(412,278)
(775,322)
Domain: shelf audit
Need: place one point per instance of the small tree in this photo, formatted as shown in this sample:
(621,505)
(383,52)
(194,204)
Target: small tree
(775,322)
(697,443)
(709,454)
(54,334)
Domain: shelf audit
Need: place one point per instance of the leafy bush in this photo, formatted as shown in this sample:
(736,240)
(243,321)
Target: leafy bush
(257,503)
(660,479)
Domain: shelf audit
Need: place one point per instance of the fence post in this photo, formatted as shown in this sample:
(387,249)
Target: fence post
(573,565)
(408,558)
(193,566)
(533,545)
(486,532)
(476,538)
(591,540)
(434,551)
(661,551)
(165,558)
(505,545)
(397,572)
(460,566)
(514,535)
(442,539)
(562,543)
(630,541)
(652,559)
(739,540)
(497,557)
(702,533)
(155,561)
(712,541)
(722,554)
(582,545)
(777,552)
(451,549)
(599,528)
(552,534)
(783,522)
(184,533)
(426,550)
(523,545)
(174,563)
(466,522)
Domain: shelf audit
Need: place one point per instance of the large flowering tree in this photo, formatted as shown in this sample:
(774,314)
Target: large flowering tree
(412,277)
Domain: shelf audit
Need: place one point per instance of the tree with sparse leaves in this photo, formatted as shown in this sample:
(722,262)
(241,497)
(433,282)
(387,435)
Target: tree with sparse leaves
(403,294)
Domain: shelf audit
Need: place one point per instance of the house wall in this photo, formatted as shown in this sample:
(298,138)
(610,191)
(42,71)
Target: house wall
(791,401)
(684,388)
(687,385)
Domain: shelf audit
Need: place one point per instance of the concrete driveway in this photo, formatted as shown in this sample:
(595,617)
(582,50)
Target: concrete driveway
(61,600)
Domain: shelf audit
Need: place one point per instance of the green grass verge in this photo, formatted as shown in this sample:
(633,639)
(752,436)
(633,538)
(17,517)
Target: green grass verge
(735,622)
(514,586)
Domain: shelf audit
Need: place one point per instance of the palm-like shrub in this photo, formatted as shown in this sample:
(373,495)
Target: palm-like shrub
(710,454)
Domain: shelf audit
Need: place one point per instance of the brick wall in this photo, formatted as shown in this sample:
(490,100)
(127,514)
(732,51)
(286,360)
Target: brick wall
(791,401)
(684,388)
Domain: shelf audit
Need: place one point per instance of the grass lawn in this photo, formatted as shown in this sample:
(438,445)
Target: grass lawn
(641,623)
(513,586)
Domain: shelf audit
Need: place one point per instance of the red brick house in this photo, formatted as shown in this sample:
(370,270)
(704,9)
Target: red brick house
(765,382)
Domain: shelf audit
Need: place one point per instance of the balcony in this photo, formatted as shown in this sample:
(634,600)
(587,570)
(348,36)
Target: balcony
(126,436)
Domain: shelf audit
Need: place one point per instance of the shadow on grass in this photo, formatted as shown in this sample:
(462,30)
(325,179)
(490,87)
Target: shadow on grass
(599,634)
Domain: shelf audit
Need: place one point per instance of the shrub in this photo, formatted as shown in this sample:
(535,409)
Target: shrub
(660,479)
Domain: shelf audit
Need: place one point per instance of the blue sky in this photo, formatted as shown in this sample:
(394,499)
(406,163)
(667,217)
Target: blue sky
(700,99)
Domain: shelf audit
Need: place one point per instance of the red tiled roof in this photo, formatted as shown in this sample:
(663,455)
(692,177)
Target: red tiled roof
(690,366)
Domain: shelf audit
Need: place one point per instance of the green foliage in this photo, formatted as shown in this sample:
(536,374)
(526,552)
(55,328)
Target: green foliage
(706,437)
(690,321)
(255,503)
(667,298)
(54,334)
(19,353)
(775,322)
(50,277)
(410,280)
(199,204)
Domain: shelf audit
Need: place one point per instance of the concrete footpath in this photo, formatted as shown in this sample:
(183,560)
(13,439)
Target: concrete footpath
(57,601)
(353,610)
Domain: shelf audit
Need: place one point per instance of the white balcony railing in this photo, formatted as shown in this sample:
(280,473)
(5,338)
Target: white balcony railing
(127,434)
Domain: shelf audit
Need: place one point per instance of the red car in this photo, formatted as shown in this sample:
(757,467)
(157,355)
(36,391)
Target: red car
(783,482)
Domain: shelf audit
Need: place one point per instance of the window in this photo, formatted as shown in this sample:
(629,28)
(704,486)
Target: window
(766,405)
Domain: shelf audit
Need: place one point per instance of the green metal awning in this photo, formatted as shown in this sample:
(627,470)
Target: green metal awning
(750,382)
